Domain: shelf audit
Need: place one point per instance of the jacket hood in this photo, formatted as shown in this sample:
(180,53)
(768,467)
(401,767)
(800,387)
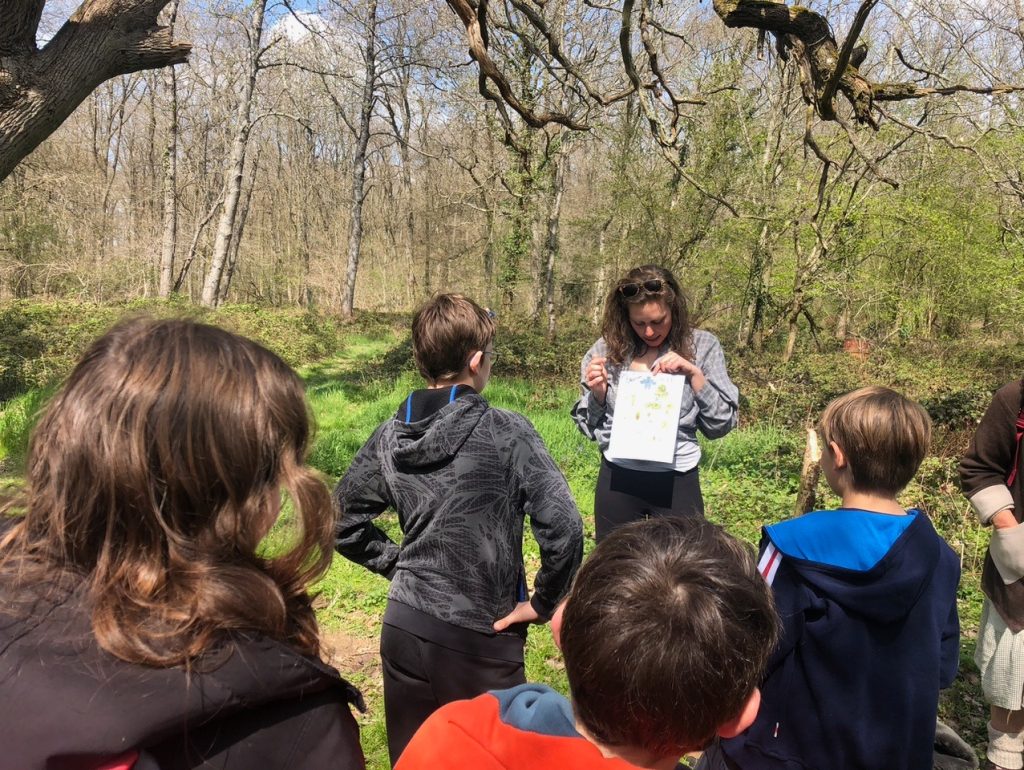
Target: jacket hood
(529,727)
(436,439)
(536,708)
(870,564)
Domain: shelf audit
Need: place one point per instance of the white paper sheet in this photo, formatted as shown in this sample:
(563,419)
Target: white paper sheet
(646,419)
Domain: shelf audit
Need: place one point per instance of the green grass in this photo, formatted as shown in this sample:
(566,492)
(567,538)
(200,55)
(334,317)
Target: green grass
(748,478)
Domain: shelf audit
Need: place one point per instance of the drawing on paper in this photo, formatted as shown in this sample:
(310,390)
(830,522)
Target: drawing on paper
(646,417)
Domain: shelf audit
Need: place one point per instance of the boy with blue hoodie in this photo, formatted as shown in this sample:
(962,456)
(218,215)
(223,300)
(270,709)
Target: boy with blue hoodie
(867,598)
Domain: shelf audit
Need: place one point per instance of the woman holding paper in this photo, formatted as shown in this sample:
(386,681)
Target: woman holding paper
(649,465)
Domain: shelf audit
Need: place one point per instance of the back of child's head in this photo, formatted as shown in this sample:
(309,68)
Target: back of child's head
(446,331)
(153,476)
(883,434)
(666,634)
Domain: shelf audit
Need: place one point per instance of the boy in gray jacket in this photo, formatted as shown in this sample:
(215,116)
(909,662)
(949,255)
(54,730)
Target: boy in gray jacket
(462,477)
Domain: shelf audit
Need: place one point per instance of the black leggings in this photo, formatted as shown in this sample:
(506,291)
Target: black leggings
(624,495)
(421,676)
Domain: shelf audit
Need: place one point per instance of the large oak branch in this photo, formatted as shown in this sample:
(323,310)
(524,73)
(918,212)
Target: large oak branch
(40,88)
(828,70)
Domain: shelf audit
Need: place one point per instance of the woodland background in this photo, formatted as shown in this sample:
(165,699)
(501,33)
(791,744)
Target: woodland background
(339,156)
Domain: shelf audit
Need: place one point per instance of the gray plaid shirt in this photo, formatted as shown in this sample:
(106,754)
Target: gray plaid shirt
(712,410)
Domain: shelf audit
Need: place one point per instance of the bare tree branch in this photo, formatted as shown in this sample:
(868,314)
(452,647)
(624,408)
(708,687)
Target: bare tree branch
(844,55)
(39,89)
(475,24)
(898,92)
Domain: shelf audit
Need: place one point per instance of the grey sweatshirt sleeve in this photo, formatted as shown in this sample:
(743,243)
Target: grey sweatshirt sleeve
(718,400)
(588,413)
(554,518)
(362,496)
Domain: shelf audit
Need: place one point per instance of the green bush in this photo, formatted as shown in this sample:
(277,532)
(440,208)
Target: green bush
(16,422)
(41,341)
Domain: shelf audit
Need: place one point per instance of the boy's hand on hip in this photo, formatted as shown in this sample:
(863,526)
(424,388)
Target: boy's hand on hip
(521,613)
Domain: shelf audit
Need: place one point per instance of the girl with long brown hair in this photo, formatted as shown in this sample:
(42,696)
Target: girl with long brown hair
(647,328)
(141,617)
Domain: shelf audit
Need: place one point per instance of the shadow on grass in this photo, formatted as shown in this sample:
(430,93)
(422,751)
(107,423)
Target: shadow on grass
(360,368)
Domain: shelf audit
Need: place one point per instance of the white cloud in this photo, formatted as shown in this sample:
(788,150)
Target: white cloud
(299,26)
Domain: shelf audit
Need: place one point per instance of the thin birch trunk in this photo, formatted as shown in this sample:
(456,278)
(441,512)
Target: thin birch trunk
(170,181)
(239,231)
(355,236)
(551,243)
(236,165)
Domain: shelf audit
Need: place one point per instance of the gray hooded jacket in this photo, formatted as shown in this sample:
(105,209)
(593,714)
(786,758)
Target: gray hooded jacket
(462,480)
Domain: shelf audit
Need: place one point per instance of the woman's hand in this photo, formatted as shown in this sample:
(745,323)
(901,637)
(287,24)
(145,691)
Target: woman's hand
(597,378)
(673,363)
(521,613)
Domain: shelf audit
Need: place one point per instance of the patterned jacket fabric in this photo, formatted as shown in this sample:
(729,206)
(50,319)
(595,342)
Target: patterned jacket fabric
(712,411)
(462,481)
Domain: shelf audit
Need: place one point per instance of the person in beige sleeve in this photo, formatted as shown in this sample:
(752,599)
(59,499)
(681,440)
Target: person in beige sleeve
(992,479)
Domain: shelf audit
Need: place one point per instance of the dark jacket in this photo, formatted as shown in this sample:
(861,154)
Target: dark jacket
(984,471)
(256,703)
(461,479)
(870,635)
(527,727)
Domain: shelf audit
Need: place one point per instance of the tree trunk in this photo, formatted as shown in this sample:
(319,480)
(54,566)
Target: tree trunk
(193,249)
(807,493)
(843,321)
(355,234)
(787,355)
(40,88)
(757,297)
(169,240)
(551,243)
(518,242)
(236,165)
(239,231)
(602,273)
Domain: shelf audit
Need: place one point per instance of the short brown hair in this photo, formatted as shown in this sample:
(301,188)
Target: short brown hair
(446,332)
(153,476)
(883,434)
(666,633)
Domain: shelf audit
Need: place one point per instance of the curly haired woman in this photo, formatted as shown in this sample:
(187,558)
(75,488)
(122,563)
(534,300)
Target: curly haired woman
(647,328)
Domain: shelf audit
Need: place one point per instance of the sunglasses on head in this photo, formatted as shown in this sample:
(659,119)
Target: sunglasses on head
(651,286)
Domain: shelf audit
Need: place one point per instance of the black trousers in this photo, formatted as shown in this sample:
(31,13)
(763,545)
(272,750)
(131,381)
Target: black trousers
(624,495)
(420,677)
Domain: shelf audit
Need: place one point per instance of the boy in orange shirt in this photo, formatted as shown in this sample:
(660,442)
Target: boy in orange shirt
(665,636)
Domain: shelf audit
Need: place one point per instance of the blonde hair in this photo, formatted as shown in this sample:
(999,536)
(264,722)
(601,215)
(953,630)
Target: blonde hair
(883,434)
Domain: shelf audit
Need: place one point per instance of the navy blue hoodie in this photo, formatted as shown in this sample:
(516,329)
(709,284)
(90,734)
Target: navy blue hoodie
(871,634)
